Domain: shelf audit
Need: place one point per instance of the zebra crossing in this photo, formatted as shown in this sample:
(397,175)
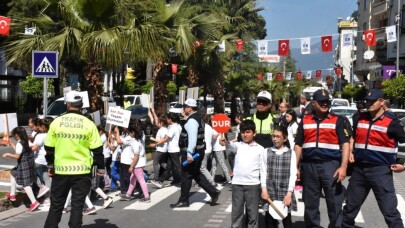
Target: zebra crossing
(200,198)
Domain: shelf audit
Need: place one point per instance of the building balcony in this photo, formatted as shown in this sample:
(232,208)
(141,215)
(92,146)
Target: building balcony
(380,7)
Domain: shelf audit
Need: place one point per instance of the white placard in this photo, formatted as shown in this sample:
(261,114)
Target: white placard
(182,96)
(96,118)
(192,93)
(11,122)
(119,117)
(145,100)
(85,97)
(66,90)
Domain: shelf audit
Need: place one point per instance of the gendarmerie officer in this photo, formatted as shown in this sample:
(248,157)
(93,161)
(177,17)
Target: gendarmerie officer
(323,142)
(376,137)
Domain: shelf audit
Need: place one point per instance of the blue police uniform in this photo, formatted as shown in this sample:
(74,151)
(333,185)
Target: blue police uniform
(376,143)
(320,140)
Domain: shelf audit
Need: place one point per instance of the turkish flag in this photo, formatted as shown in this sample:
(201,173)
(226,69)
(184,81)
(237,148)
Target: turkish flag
(283,47)
(299,75)
(5,25)
(369,37)
(278,76)
(174,68)
(239,44)
(328,79)
(260,76)
(318,73)
(326,43)
(338,71)
(198,43)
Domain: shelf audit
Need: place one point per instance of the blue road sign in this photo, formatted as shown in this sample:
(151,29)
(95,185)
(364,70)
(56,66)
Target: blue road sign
(45,64)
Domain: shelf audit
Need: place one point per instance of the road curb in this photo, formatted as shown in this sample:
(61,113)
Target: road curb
(13,212)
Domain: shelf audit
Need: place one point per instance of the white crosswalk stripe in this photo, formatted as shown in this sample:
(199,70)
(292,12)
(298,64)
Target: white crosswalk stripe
(401,206)
(197,200)
(156,197)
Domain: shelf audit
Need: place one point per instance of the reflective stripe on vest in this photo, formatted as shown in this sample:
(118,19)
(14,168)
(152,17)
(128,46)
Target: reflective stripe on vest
(372,144)
(320,140)
(263,126)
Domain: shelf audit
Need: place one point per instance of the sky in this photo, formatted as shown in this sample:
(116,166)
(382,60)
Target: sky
(286,19)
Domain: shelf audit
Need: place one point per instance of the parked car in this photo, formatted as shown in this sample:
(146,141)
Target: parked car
(400,113)
(344,111)
(401,146)
(141,113)
(227,107)
(177,108)
(339,102)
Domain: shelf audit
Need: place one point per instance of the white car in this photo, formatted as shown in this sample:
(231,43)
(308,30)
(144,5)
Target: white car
(339,102)
(344,111)
(227,107)
(177,108)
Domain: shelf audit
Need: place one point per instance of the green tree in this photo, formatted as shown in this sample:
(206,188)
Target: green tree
(395,88)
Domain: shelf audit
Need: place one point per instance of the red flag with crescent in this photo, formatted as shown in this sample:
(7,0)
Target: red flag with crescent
(338,71)
(369,37)
(174,68)
(328,79)
(318,73)
(278,76)
(239,44)
(283,47)
(260,76)
(5,25)
(326,43)
(299,75)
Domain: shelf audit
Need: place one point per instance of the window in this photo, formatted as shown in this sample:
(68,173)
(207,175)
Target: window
(365,4)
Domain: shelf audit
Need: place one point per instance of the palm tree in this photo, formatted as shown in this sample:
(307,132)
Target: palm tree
(94,32)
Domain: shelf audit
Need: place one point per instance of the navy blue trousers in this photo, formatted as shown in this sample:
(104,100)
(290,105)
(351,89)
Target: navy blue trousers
(318,176)
(380,180)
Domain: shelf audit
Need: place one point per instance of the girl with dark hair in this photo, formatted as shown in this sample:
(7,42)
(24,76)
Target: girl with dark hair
(133,160)
(281,175)
(292,126)
(24,173)
(160,143)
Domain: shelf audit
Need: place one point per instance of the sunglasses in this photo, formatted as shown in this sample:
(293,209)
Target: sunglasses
(262,102)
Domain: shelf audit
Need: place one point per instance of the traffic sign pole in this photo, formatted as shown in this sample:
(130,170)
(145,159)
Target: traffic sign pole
(45,101)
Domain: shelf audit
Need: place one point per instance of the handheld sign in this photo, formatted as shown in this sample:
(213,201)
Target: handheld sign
(119,117)
(221,123)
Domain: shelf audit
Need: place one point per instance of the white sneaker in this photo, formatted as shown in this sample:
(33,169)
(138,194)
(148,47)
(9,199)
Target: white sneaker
(107,202)
(42,191)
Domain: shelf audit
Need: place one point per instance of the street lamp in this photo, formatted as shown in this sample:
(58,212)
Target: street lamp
(398,20)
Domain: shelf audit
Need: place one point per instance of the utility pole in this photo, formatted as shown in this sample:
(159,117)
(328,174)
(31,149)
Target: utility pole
(398,20)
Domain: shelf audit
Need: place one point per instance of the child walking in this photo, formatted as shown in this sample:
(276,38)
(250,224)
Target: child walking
(24,173)
(249,180)
(281,175)
(134,162)
(115,150)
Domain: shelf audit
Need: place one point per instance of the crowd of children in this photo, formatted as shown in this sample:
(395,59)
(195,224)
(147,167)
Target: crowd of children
(258,173)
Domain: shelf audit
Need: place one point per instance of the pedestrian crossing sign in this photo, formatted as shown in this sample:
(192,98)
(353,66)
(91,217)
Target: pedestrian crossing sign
(45,64)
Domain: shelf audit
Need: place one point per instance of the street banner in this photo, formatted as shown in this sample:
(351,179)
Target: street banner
(5,23)
(369,37)
(306,45)
(270,58)
(118,116)
(269,76)
(308,75)
(288,76)
(326,43)
(391,33)
(348,39)
(283,47)
(30,31)
(261,48)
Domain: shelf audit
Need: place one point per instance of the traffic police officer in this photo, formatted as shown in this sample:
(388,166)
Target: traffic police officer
(376,136)
(263,119)
(70,139)
(323,141)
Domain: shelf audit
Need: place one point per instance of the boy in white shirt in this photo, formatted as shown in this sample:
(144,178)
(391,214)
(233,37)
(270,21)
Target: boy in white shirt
(250,173)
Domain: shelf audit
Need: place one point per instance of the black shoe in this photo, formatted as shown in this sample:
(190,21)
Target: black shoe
(180,204)
(214,198)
